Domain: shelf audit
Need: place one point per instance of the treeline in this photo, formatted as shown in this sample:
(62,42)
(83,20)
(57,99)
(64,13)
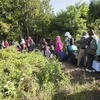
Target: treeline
(21,18)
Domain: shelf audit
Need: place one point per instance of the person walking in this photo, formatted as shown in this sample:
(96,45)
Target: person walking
(82,51)
(59,44)
(6,44)
(69,41)
(92,41)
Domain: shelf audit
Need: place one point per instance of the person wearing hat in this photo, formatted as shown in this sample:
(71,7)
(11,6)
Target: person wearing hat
(69,41)
(82,51)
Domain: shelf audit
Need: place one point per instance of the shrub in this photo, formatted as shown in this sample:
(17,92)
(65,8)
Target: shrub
(24,76)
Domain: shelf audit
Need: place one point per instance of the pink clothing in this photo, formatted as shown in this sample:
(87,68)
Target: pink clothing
(29,38)
(59,44)
(26,42)
(6,44)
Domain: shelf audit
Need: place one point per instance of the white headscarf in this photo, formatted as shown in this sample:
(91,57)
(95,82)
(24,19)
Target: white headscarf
(22,41)
(67,34)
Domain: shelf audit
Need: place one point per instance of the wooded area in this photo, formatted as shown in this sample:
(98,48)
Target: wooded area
(21,18)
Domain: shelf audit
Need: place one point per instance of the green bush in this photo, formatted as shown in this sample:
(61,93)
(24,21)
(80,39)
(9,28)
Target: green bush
(24,76)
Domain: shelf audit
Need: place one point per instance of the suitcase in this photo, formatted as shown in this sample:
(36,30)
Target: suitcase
(73,58)
(72,48)
(62,56)
(96,65)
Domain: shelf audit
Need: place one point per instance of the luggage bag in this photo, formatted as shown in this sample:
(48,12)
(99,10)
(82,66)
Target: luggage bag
(62,56)
(73,58)
(96,65)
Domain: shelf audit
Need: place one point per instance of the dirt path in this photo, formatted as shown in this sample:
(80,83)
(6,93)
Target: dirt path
(79,73)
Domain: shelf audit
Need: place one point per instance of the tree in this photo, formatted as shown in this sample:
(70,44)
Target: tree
(72,20)
(24,17)
(94,10)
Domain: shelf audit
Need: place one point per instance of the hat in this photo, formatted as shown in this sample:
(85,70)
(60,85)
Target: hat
(84,34)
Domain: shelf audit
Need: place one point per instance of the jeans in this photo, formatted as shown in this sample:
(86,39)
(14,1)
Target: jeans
(69,52)
(90,61)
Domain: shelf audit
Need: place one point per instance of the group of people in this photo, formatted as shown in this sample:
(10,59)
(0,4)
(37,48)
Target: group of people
(27,44)
(89,45)
(89,48)
(47,48)
(4,44)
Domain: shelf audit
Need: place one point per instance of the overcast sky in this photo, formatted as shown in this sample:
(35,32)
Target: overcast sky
(62,4)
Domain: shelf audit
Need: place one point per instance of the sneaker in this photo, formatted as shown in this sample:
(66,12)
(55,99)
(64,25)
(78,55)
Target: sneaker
(88,70)
(93,70)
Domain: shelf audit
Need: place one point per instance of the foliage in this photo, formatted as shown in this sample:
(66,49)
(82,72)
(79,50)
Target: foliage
(36,18)
(26,75)
(94,16)
(94,10)
(24,17)
(97,26)
(72,20)
(31,76)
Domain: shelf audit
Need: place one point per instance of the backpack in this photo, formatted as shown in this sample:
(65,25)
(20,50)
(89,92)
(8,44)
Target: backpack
(71,41)
(91,49)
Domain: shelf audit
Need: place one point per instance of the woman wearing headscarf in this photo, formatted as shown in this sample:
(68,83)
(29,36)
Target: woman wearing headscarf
(30,44)
(69,41)
(22,44)
(59,44)
(82,51)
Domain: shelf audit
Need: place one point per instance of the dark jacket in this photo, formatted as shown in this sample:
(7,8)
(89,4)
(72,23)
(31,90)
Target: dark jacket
(88,40)
(82,42)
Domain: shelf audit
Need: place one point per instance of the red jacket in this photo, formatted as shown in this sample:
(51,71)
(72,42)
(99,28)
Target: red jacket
(6,44)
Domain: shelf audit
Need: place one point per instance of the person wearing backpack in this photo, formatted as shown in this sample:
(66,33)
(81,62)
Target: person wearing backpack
(30,44)
(91,41)
(82,51)
(69,41)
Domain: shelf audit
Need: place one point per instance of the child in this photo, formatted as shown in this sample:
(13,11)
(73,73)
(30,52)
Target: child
(47,52)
